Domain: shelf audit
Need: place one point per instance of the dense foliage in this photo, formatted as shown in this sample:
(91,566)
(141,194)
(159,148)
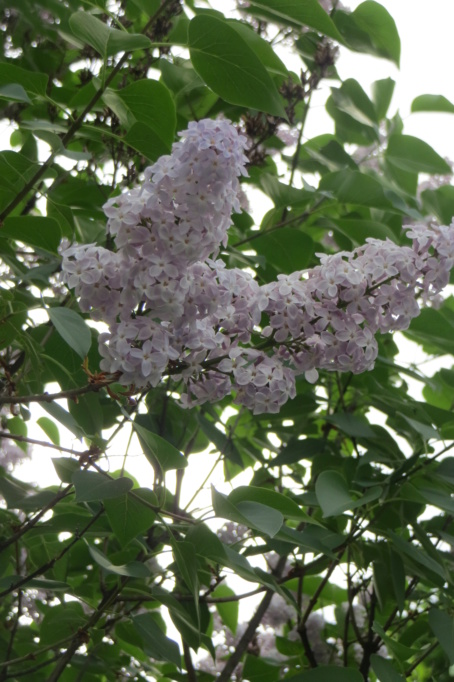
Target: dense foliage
(144,309)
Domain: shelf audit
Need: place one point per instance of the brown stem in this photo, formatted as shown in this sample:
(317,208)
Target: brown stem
(370,645)
(282,223)
(34,668)
(34,441)
(302,631)
(314,599)
(192,676)
(419,660)
(15,625)
(32,655)
(255,621)
(71,394)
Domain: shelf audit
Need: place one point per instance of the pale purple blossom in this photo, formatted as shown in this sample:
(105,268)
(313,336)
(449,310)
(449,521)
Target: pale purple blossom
(171,308)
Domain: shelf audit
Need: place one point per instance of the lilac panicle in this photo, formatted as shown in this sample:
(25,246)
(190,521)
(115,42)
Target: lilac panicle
(172,308)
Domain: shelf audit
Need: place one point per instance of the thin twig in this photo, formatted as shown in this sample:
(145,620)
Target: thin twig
(41,443)
(49,564)
(314,599)
(27,526)
(419,660)
(34,668)
(255,621)
(34,654)
(71,394)
(81,636)
(192,676)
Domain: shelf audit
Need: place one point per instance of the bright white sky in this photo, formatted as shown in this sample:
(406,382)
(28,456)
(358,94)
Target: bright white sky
(425,30)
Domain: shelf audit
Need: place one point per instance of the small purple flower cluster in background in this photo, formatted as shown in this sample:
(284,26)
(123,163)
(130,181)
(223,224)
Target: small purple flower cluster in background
(172,309)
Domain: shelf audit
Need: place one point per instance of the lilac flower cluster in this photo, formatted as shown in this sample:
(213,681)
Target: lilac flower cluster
(171,309)
(327,317)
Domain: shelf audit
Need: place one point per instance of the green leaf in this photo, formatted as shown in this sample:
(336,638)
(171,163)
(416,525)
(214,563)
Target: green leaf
(382,92)
(65,467)
(43,233)
(440,202)
(159,451)
(417,554)
(94,487)
(128,517)
(438,499)
(286,249)
(151,103)
(72,328)
(432,103)
(15,170)
(324,152)
(228,610)
(185,557)
(46,584)
(222,442)
(258,670)
(414,155)
(434,330)
(385,670)
(442,625)
(37,501)
(445,469)
(230,67)
(398,579)
(88,413)
(297,450)
(252,514)
(33,82)
(354,114)
(265,518)
(155,642)
(61,415)
(351,424)
(353,187)
(143,139)
(261,47)
(207,543)
(62,620)
(301,14)
(370,28)
(107,41)
(13,491)
(270,498)
(134,569)
(14,93)
(358,229)
(332,493)
(401,651)
(50,429)
(313,538)
(331,593)
(353,101)
(328,673)
(185,619)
